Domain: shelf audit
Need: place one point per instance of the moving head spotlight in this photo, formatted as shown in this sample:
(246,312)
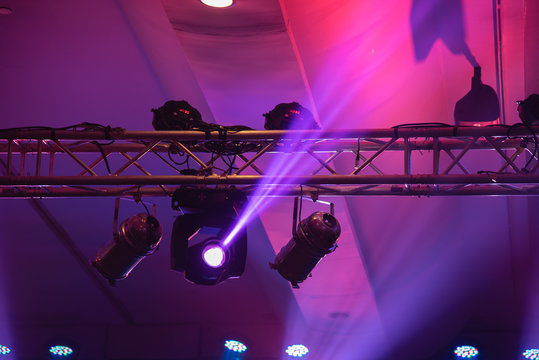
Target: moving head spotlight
(198,245)
(290,116)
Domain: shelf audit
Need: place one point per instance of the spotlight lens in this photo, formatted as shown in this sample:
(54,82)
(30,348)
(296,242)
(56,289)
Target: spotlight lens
(61,350)
(297,350)
(466,352)
(235,346)
(531,354)
(218,3)
(213,255)
(4,350)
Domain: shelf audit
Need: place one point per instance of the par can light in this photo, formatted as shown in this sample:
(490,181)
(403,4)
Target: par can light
(315,237)
(137,237)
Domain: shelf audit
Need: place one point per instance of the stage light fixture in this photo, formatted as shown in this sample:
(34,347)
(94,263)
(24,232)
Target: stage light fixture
(137,237)
(4,350)
(218,3)
(297,351)
(312,239)
(286,116)
(466,352)
(60,351)
(235,346)
(528,110)
(197,246)
(531,354)
(480,106)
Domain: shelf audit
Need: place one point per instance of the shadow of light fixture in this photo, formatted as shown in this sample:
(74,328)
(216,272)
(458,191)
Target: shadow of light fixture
(480,106)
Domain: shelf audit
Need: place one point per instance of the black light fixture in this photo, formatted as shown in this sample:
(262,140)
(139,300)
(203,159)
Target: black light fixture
(290,115)
(528,110)
(176,115)
(199,245)
(137,237)
(480,106)
(314,238)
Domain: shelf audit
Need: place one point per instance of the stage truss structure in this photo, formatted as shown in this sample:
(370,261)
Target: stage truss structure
(411,160)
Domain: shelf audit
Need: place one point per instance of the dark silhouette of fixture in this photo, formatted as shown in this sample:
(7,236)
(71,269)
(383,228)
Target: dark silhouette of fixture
(480,106)
(290,116)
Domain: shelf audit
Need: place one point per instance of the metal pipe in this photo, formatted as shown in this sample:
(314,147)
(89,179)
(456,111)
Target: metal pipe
(256,179)
(419,131)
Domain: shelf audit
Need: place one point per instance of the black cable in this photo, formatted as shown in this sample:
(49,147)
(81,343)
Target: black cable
(100,147)
(139,198)
(300,202)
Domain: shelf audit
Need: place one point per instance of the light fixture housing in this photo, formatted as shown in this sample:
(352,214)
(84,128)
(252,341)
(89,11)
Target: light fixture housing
(218,3)
(480,106)
(314,238)
(528,110)
(202,255)
(138,237)
(292,115)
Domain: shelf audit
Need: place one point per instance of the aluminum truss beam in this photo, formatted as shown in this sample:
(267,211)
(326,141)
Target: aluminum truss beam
(412,160)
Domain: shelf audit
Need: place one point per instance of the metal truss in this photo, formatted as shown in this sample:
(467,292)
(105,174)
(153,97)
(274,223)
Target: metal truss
(409,160)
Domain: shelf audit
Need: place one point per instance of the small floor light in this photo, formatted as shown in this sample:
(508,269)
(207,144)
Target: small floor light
(466,352)
(297,351)
(218,3)
(60,352)
(4,350)
(235,346)
(137,237)
(531,354)
(314,238)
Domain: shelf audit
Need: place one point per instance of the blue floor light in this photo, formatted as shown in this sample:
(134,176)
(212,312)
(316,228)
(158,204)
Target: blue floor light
(466,352)
(297,351)
(531,354)
(4,350)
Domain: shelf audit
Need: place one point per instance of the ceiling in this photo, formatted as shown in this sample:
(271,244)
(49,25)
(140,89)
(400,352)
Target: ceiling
(412,277)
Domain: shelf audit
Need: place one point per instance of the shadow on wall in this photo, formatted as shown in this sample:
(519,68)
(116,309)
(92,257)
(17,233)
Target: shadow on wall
(431,20)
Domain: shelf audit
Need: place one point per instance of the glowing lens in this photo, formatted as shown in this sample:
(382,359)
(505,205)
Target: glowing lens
(213,255)
(297,350)
(218,3)
(466,352)
(4,350)
(235,346)
(60,350)
(531,354)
